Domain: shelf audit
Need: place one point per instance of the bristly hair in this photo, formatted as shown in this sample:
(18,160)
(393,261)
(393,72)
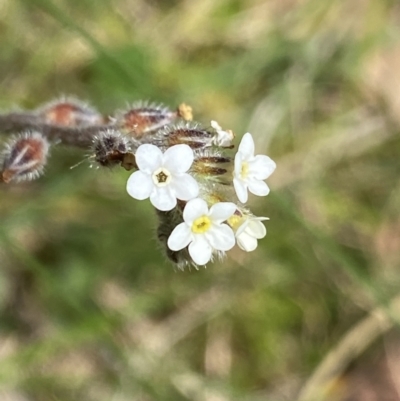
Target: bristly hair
(143,118)
(24,157)
(110,146)
(184,132)
(69,111)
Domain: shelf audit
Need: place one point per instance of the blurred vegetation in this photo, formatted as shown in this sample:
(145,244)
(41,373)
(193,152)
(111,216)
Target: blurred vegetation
(89,308)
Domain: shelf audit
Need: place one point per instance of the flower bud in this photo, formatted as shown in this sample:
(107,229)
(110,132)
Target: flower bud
(209,166)
(188,133)
(69,112)
(110,147)
(24,157)
(143,118)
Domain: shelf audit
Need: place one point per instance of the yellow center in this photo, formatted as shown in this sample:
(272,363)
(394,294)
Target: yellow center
(235,221)
(244,170)
(201,225)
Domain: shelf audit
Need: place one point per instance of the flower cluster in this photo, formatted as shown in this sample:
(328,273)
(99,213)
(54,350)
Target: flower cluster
(199,190)
(190,173)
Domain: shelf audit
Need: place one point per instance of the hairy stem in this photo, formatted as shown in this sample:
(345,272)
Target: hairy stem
(80,137)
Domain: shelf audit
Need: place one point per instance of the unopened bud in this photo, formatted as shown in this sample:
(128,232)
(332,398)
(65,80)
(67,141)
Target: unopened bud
(188,133)
(143,118)
(69,112)
(210,165)
(24,157)
(110,147)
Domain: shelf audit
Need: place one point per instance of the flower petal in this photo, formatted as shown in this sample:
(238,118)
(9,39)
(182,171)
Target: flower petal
(246,146)
(256,229)
(221,237)
(241,190)
(185,187)
(163,199)
(200,250)
(238,164)
(215,125)
(148,158)
(242,227)
(194,209)
(246,242)
(223,139)
(139,185)
(221,211)
(259,188)
(180,237)
(261,167)
(178,158)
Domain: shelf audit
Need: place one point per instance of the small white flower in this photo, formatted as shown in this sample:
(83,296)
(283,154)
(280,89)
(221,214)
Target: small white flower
(251,230)
(250,170)
(162,177)
(222,138)
(203,230)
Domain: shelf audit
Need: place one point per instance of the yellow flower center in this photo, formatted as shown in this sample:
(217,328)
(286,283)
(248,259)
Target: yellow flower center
(161,177)
(201,225)
(244,172)
(235,221)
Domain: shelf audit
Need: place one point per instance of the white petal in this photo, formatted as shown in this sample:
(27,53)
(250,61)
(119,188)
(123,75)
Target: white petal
(194,209)
(246,242)
(241,190)
(185,187)
(223,139)
(259,188)
(256,229)
(221,211)
(215,125)
(139,185)
(148,158)
(221,237)
(246,147)
(242,227)
(261,167)
(200,250)
(178,158)
(163,199)
(238,164)
(180,237)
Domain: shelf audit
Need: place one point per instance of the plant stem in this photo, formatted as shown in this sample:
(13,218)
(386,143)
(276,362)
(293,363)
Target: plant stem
(80,137)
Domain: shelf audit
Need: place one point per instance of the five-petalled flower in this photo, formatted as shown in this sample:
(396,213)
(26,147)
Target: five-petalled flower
(250,170)
(163,177)
(203,230)
(248,229)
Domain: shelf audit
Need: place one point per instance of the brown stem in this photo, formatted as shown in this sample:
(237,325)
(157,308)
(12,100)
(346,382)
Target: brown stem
(80,137)
(353,343)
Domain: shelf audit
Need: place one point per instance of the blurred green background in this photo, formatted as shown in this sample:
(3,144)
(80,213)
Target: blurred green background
(89,308)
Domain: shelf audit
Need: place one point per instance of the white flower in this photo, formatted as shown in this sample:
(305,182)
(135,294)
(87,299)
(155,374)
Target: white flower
(162,177)
(249,232)
(250,170)
(222,138)
(203,230)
